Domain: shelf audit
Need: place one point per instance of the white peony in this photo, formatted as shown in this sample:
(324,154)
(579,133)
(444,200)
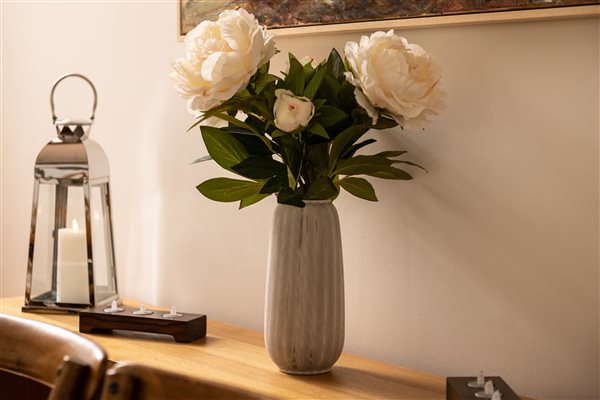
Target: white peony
(396,77)
(220,58)
(292,111)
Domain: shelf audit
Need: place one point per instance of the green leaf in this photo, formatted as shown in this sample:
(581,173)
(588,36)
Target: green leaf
(255,167)
(264,68)
(227,190)
(236,122)
(391,173)
(359,187)
(390,153)
(269,98)
(318,130)
(318,160)
(250,129)
(223,147)
(347,98)
(255,198)
(360,165)
(343,141)
(354,148)
(335,65)
(330,116)
(410,163)
(294,80)
(319,103)
(278,133)
(385,123)
(291,153)
(275,184)
(260,104)
(321,189)
(330,88)
(264,81)
(360,116)
(201,159)
(253,143)
(290,197)
(315,83)
(308,71)
(223,108)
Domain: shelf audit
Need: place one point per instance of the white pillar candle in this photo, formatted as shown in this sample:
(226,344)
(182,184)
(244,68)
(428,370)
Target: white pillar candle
(72,284)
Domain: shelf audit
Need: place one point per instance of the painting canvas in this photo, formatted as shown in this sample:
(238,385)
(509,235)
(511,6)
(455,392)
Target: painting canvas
(301,13)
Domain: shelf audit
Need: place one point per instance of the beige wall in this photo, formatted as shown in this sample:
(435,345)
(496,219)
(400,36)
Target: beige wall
(488,261)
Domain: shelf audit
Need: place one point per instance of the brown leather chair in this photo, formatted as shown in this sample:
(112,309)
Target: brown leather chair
(39,360)
(136,382)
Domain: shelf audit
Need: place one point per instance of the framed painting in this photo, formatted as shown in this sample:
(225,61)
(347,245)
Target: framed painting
(290,17)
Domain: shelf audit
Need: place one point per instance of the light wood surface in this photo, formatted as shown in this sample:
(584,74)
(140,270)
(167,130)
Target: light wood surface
(236,356)
(140,382)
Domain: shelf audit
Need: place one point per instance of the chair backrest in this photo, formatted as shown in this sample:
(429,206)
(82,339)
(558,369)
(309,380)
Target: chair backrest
(136,382)
(71,366)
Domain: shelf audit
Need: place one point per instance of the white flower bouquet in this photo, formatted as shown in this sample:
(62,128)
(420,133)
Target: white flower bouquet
(297,135)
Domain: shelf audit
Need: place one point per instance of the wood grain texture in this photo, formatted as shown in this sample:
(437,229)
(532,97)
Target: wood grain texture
(17,387)
(68,363)
(235,356)
(304,305)
(138,382)
(72,379)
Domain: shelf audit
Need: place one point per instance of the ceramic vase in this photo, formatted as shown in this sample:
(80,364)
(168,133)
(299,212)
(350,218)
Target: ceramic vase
(304,307)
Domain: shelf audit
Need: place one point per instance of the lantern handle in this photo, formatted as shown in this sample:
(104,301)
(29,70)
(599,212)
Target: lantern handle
(54,118)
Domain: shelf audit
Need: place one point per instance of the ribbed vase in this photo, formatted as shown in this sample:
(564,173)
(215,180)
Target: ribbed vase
(304,309)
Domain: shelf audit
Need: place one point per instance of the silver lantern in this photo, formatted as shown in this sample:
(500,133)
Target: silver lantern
(71,263)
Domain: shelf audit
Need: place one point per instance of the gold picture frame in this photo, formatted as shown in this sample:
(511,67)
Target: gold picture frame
(192,12)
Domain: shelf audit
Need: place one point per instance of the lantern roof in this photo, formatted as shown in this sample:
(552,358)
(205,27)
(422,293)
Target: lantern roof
(83,159)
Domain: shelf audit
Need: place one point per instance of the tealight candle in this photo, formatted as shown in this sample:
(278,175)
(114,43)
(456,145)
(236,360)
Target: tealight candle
(173,313)
(114,308)
(479,383)
(72,281)
(487,392)
(488,388)
(142,311)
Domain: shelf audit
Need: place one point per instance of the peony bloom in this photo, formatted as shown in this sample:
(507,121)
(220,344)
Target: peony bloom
(220,58)
(396,77)
(292,111)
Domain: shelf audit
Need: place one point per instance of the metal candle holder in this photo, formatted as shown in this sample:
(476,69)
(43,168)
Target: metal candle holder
(71,263)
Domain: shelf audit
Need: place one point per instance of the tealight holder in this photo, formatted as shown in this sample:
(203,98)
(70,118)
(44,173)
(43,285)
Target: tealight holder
(71,258)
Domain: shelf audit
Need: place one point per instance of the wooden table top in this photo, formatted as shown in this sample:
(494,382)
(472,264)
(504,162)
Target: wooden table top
(237,357)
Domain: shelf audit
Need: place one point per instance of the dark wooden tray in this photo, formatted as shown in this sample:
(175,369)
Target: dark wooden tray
(457,389)
(186,328)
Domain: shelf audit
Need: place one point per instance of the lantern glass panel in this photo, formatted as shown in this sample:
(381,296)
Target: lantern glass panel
(43,282)
(104,279)
(60,259)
